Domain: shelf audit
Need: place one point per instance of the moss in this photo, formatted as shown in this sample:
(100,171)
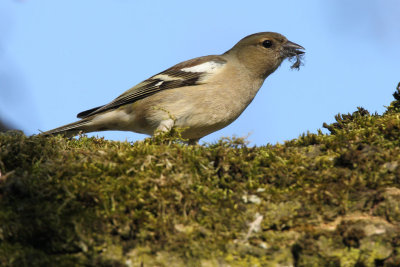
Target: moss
(318,200)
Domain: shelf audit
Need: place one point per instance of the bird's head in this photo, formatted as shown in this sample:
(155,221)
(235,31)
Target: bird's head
(264,52)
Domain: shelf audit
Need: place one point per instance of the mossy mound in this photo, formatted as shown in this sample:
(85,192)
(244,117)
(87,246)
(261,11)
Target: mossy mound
(319,200)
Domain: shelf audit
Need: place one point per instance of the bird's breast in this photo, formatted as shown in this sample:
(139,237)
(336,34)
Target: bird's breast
(214,107)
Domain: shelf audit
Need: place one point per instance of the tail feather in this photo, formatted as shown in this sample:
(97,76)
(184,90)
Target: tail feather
(109,120)
(70,129)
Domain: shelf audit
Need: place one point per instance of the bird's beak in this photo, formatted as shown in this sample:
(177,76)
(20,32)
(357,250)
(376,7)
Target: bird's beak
(292,49)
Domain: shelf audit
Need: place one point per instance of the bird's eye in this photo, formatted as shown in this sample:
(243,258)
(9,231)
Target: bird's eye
(267,43)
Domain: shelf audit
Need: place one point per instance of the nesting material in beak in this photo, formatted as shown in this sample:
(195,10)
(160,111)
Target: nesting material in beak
(292,50)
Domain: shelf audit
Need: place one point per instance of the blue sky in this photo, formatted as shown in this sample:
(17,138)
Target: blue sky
(58,58)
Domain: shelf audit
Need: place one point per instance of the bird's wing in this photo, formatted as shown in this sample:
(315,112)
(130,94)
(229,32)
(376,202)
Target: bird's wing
(188,73)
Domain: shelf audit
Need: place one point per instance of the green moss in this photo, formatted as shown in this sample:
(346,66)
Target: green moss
(318,200)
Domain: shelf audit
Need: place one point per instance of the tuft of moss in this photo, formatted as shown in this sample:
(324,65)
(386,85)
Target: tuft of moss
(318,200)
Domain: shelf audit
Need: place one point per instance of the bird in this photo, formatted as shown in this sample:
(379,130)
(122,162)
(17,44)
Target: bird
(200,95)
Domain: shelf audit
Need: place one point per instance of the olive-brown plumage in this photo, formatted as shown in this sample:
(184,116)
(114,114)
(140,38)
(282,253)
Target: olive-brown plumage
(201,95)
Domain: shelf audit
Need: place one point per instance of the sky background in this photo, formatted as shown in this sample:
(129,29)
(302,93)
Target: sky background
(58,58)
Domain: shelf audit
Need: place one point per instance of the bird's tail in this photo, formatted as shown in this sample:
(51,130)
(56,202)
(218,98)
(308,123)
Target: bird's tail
(71,129)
